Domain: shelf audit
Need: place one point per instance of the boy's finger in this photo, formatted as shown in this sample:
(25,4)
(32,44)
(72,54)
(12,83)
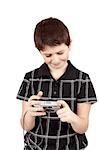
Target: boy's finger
(60,111)
(38,113)
(62,102)
(36,97)
(40,93)
(33,97)
(34,102)
(37,109)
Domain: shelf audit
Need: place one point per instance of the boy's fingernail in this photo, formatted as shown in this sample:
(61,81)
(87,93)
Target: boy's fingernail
(40,93)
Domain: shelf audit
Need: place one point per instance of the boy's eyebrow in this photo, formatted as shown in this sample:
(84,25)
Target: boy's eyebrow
(46,53)
(60,51)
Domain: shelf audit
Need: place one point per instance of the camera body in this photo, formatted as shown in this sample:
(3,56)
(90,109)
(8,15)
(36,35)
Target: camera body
(49,105)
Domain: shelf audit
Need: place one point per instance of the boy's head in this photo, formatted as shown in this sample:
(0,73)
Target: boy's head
(52,39)
(51,32)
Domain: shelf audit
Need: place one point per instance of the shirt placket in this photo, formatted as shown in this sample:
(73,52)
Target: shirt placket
(55,92)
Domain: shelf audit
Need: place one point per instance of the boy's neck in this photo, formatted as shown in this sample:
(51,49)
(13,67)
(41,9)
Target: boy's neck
(57,73)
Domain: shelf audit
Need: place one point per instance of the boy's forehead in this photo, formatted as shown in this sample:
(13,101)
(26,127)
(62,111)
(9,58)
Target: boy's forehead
(56,48)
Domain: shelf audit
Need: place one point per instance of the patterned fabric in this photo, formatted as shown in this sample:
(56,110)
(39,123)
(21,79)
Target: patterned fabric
(74,87)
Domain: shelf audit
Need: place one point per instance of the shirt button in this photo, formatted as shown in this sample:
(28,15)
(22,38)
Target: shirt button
(56,85)
(55,92)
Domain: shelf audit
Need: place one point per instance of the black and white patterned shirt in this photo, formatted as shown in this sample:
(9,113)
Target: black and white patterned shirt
(74,87)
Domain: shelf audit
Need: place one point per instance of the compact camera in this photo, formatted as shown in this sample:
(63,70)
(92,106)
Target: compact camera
(49,106)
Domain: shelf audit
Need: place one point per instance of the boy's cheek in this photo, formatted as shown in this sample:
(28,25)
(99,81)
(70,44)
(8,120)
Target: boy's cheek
(64,58)
(47,61)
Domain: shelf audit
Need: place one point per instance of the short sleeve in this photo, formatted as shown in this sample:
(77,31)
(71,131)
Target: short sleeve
(24,92)
(87,92)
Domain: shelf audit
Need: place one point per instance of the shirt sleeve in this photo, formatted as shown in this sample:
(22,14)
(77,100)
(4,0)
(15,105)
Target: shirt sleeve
(24,92)
(87,92)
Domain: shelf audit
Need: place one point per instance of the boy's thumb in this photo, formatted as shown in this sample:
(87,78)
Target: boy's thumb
(40,93)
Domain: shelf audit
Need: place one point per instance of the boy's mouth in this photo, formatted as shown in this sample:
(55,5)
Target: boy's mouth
(55,65)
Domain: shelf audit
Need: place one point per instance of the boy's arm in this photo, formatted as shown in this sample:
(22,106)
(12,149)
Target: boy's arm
(27,121)
(30,111)
(79,121)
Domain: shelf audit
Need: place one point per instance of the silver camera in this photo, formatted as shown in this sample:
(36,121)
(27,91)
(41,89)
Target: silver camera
(49,106)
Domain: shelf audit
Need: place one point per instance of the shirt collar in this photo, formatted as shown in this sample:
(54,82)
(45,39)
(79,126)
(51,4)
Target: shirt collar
(44,71)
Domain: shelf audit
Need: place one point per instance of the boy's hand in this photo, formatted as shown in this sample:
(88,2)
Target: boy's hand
(65,114)
(33,105)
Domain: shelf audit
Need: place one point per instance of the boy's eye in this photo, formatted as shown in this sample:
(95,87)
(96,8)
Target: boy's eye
(48,55)
(60,53)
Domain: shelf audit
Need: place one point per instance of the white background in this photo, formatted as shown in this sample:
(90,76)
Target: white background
(18,56)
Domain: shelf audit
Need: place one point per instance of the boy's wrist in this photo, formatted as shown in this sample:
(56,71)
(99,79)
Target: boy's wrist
(29,115)
(27,121)
(74,118)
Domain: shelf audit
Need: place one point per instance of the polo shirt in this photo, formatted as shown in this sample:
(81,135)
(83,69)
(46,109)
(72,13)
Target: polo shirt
(74,87)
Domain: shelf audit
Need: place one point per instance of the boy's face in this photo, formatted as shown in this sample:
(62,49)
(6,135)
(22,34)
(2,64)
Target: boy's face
(55,56)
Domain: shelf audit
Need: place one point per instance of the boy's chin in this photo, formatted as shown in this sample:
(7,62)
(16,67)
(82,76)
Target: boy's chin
(54,67)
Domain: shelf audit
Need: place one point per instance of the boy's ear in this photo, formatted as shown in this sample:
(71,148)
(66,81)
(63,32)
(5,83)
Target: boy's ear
(41,51)
(70,44)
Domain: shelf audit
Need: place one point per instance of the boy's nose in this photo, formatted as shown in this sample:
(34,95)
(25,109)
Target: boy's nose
(55,60)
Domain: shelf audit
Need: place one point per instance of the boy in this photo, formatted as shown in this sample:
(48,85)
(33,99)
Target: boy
(57,80)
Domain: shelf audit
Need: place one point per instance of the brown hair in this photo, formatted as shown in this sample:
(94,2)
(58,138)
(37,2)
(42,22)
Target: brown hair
(51,32)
